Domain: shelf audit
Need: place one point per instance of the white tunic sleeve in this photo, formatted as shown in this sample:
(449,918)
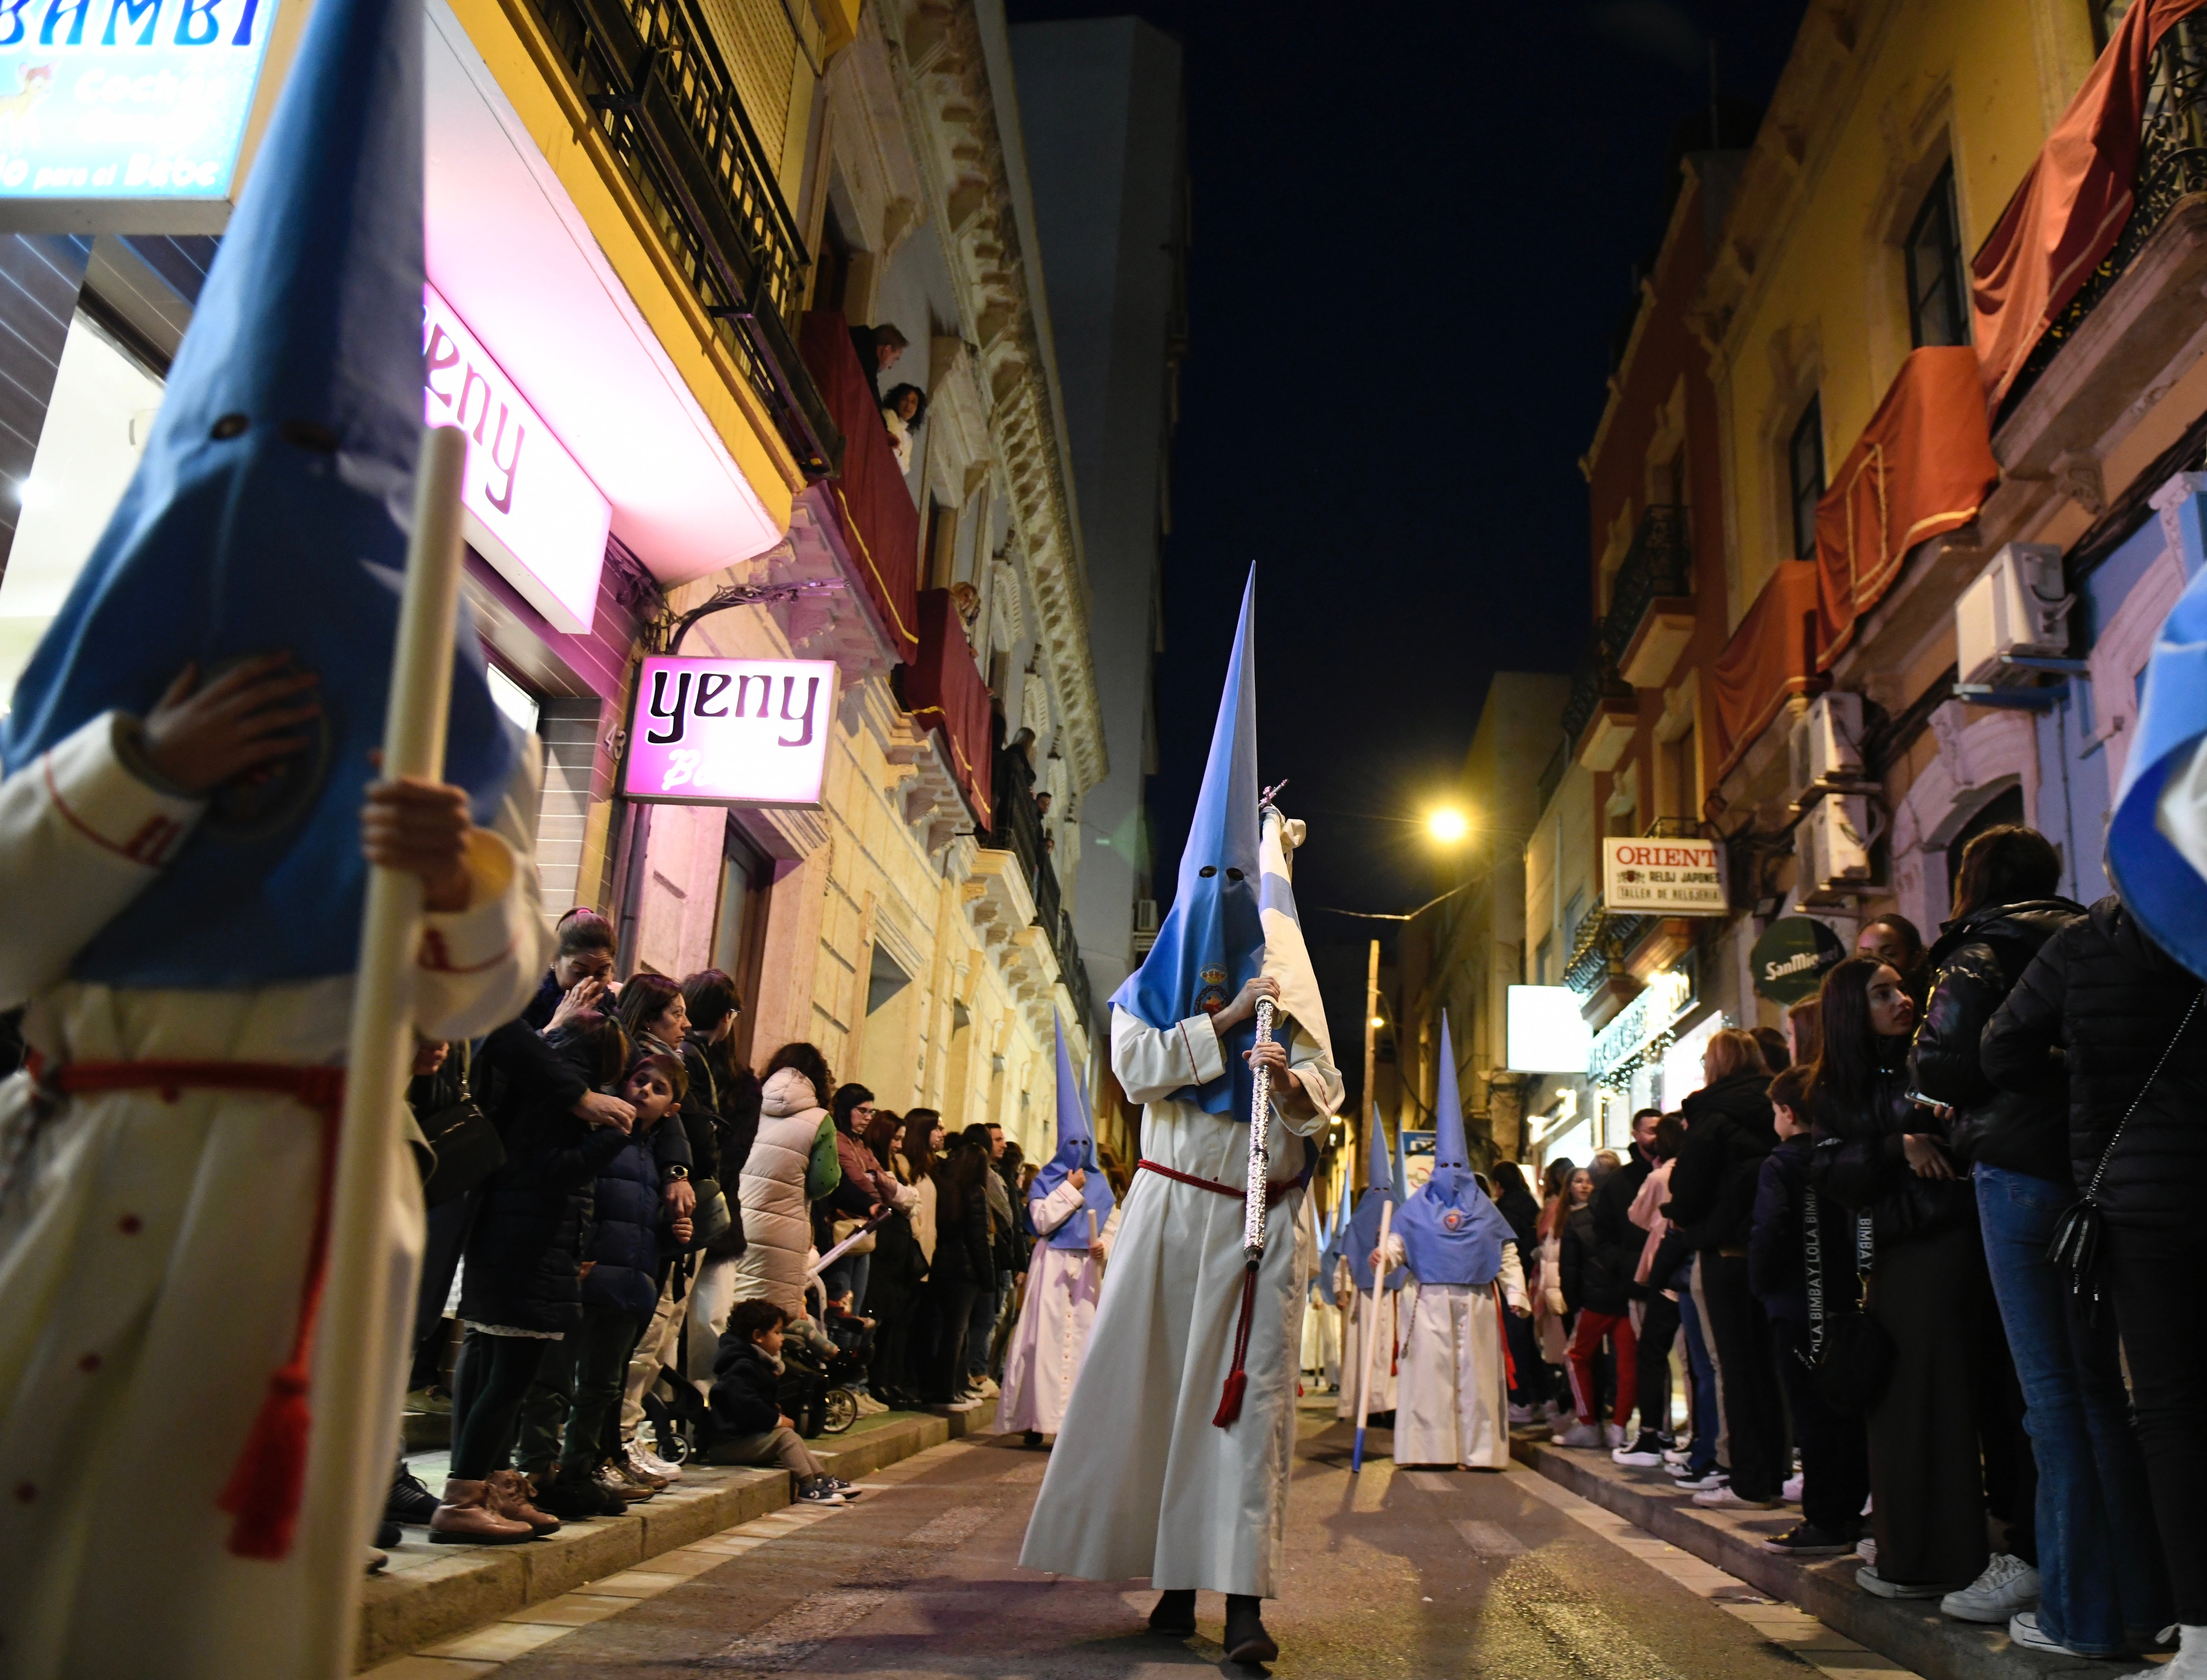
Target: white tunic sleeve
(1110,1234)
(1052,1210)
(1152,1064)
(478,967)
(79,837)
(1513,1280)
(1392,1251)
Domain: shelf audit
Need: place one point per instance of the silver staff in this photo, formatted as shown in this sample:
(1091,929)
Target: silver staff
(1261,1146)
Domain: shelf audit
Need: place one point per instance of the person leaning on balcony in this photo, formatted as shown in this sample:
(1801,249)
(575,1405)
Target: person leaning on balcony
(878,349)
(902,411)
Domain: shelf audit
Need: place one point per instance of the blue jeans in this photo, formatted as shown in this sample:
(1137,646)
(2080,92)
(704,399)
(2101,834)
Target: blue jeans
(988,1302)
(1701,1371)
(2099,1561)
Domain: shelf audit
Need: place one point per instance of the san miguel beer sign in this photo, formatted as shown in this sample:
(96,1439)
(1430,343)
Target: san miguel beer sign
(727,731)
(1661,877)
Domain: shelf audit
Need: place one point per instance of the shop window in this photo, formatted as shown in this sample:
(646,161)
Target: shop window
(515,700)
(96,425)
(1683,777)
(739,933)
(1937,303)
(569,730)
(1805,459)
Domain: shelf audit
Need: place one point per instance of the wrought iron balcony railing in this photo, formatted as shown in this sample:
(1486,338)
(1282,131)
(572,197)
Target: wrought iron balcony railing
(1599,945)
(668,108)
(1595,680)
(1659,564)
(1019,830)
(2172,164)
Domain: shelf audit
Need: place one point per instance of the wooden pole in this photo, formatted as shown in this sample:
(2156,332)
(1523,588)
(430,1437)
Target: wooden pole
(1371,1337)
(349,1395)
(1363,1151)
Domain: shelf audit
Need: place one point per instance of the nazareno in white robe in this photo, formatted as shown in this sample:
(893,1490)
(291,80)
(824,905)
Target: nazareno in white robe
(1394,1307)
(1141,1482)
(1042,1359)
(1453,1403)
(152,1252)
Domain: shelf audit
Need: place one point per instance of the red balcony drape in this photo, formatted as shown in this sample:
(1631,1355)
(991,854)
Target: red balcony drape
(1923,466)
(2070,207)
(1771,655)
(943,691)
(876,510)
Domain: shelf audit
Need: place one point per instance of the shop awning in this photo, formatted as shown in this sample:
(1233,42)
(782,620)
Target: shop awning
(1921,467)
(2069,207)
(943,691)
(1771,656)
(510,251)
(871,501)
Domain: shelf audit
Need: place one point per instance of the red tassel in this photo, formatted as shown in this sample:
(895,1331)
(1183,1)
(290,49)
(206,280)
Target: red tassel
(269,1482)
(1229,1403)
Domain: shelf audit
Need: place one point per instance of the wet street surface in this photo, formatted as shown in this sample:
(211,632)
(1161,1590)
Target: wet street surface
(1392,1572)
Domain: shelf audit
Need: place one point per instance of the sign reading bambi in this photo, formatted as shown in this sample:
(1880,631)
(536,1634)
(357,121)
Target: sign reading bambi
(527,504)
(718,732)
(143,101)
(1661,877)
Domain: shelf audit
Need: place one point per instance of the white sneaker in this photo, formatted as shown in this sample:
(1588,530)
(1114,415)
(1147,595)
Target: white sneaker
(986,1389)
(2008,1585)
(1721,1497)
(2190,1662)
(2023,1629)
(1866,1549)
(1614,1435)
(1686,1484)
(1520,1415)
(1790,1493)
(640,1464)
(1678,1455)
(1578,1435)
(867,1405)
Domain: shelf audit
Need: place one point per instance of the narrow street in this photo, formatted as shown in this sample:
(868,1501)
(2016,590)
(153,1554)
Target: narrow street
(1413,1573)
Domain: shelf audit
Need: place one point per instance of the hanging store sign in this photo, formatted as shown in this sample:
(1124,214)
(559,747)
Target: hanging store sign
(725,731)
(1661,877)
(528,506)
(1788,962)
(127,116)
(1642,1030)
(1546,1033)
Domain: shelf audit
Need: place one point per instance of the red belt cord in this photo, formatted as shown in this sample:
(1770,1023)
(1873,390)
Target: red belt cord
(1238,1379)
(267,1484)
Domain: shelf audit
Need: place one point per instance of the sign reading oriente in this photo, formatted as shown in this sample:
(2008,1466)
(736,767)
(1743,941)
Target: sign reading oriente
(1661,877)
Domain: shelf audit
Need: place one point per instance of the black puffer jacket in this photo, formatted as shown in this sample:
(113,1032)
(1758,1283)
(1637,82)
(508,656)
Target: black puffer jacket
(1590,1279)
(1728,1131)
(523,1268)
(1859,1162)
(2103,1001)
(1621,1241)
(746,1398)
(1977,962)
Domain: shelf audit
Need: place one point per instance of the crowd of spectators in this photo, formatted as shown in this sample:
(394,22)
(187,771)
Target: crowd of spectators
(1921,1267)
(658,1254)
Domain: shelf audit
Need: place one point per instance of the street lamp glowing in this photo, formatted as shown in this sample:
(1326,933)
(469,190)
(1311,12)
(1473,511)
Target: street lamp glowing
(1448,826)
(1376,1021)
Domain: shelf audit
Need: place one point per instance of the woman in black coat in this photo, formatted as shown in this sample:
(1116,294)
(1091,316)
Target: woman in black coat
(2103,1005)
(964,1264)
(1882,1155)
(1728,1133)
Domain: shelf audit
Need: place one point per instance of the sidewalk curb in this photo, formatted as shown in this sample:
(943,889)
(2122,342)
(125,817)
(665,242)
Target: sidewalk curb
(464,1587)
(1910,1632)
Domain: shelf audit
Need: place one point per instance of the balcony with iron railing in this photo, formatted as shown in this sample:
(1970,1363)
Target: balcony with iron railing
(667,108)
(1598,716)
(1651,611)
(1019,830)
(2172,167)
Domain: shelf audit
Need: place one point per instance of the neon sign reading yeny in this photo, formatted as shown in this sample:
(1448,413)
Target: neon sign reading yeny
(529,508)
(143,99)
(716,731)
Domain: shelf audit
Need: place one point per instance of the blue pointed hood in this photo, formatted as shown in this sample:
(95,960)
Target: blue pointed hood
(1076,1147)
(1452,1232)
(2157,883)
(268,514)
(1212,943)
(1386,1185)
(1336,1234)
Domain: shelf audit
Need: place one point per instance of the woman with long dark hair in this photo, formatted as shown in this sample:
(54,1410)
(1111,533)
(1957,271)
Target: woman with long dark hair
(894,1279)
(729,1092)
(1881,1156)
(964,1265)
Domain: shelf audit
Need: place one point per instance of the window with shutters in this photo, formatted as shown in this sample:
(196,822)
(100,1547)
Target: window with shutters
(759,47)
(1805,471)
(1937,303)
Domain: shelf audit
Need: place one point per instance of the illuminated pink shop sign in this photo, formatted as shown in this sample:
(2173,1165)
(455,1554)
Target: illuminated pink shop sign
(716,732)
(528,507)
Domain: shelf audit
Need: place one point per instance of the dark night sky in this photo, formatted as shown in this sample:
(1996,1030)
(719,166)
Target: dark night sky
(1415,228)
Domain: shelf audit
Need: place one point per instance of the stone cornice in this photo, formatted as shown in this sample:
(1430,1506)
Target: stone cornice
(940,60)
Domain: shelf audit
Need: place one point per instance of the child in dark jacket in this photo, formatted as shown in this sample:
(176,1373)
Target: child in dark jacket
(750,1424)
(1834,1452)
(633,1236)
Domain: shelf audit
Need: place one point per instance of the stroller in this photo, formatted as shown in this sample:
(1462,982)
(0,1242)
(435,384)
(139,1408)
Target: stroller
(816,1389)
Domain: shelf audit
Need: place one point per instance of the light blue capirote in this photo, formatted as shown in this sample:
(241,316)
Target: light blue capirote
(268,514)
(1385,1185)
(1452,1232)
(1076,1147)
(1212,939)
(2158,883)
(1337,1232)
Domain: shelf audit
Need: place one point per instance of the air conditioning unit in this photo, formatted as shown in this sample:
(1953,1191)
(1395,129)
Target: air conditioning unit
(1832,843)
(1825,744)
(1145,914)
(2016,607)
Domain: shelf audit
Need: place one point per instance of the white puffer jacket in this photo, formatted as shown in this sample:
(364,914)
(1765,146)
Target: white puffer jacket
(777,1222)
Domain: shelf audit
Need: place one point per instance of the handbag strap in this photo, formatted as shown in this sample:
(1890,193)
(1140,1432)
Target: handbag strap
(2093,1190)
(1812,1264)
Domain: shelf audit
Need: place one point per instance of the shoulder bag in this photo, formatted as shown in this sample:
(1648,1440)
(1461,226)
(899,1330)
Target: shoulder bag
(1851,1354)
(2075,1248)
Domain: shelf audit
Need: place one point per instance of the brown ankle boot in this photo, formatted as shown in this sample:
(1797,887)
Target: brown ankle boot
(464,1517)
(513,1497)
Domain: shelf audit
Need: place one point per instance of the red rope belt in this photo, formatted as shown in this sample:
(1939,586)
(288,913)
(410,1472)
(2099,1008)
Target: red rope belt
(268,1482)
(1238,1379)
